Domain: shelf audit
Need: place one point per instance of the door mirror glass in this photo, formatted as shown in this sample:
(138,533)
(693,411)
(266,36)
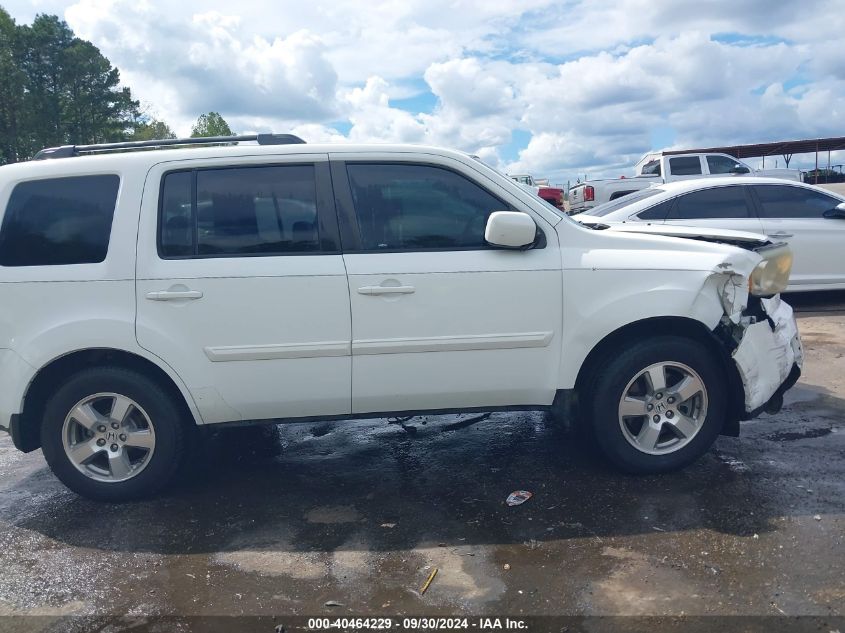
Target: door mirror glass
(837,212)
(510,229)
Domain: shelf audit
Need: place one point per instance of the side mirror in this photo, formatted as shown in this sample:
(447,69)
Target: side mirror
(510,229)
(740,169)
(837,212)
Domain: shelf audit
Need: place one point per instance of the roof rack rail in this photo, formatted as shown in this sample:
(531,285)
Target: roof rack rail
(66,151)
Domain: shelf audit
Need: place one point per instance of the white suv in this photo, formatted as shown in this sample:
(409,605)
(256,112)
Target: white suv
(145,292)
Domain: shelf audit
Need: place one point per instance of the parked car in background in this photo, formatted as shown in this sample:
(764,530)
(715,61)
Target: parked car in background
(552,195)
(810,219)
(143,293)
(659,168)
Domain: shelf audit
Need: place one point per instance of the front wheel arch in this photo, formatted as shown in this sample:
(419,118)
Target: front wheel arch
(655,326)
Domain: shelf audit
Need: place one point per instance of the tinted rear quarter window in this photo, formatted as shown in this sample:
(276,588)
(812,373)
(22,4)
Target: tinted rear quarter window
(718,202)
(780,201)
(658,212)
(685,166)
(59,221)
(624,201)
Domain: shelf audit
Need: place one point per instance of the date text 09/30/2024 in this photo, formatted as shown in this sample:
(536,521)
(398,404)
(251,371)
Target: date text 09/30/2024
(420,623)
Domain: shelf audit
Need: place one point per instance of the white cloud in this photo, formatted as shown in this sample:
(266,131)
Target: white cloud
(206,63)
(373,119)
(469,87)
(586,81)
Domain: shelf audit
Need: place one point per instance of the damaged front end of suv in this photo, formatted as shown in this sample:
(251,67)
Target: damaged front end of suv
(759,329)
(738,301)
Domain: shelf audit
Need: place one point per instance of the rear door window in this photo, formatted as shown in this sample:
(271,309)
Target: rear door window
(59,221)
(714,203)
(780,201)
(239,211)
(685,166)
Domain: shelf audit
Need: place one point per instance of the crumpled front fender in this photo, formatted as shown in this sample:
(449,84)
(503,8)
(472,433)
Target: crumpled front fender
(767,352)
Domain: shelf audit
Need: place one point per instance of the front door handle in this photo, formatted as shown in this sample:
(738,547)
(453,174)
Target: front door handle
(386,290)
(780,235)
(173,295)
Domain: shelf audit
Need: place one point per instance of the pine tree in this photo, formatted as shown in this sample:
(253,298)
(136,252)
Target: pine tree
(56,89)
(11,89)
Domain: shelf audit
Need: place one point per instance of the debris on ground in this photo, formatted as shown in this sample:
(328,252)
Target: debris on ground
(401,421)
(818,517)
(461,424)
(428,581)
(333,603)
(518,497)
(506,566)
(388,525)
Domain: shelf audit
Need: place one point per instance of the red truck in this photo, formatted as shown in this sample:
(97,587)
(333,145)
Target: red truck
(552,195)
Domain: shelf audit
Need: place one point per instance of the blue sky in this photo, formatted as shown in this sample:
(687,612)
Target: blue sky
(557,89)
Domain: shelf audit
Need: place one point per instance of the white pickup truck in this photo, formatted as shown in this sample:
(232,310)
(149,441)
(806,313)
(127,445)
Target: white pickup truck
(659,168)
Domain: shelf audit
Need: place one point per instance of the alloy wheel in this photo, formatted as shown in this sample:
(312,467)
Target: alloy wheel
(108,437)
(663,408)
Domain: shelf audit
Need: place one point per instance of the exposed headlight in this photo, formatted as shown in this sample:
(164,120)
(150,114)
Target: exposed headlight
(771,275)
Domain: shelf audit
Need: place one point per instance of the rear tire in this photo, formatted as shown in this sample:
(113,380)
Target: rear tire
(113,434)
(658,405)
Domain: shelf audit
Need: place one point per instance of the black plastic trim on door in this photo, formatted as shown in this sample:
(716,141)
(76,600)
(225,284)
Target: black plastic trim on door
(350,236)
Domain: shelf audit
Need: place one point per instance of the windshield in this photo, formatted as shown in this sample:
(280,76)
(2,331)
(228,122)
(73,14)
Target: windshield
(623,201)
(651,168)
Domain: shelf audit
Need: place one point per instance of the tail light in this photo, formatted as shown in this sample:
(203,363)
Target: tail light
(589,194)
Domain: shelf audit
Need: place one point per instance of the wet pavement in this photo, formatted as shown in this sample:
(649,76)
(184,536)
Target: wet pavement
(282,520)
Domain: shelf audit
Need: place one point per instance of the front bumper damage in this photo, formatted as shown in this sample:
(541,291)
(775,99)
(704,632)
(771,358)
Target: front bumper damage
(768,354)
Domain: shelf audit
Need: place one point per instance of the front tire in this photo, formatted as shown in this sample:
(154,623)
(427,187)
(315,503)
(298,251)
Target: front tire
(113,434)
(659,405)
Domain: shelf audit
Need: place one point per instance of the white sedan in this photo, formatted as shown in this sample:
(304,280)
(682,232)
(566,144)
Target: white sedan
(810,219)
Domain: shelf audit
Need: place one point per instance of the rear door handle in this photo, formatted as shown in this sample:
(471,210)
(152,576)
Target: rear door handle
(386,290)
(781,234)
(173,295)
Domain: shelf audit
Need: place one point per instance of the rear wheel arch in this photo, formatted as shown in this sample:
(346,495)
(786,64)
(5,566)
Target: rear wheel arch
(52,375)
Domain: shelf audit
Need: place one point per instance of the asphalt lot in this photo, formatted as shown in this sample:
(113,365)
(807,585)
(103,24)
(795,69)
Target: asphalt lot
(282,521)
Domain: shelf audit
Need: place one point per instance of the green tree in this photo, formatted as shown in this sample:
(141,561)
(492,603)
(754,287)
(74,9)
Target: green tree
(95,108)
(149,129)
(57,89)
(211,124)
(11,89)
